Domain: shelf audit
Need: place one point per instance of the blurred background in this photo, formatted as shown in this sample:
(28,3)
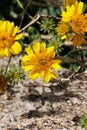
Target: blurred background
(22,11)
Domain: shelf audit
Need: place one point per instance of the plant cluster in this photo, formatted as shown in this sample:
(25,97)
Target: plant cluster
(83,121)
(43,53)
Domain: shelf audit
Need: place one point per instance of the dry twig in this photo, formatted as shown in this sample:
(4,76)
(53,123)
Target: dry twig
(37,17)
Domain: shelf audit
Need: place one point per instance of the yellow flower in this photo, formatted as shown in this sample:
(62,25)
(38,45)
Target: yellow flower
(40,62)
(79,23)
(71,11)
(3,83)
(62,28)
(9,39)
(68,2)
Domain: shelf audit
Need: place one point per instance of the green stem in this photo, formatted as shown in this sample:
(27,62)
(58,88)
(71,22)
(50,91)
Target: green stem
(8,64)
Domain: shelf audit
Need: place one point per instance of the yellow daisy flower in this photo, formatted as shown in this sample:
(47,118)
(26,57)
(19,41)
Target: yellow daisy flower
(9,39)
(40,62)
(3,83)
(62,28)
(71,11)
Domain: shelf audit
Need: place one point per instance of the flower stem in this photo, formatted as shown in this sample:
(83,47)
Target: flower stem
(82,56)
(8,64)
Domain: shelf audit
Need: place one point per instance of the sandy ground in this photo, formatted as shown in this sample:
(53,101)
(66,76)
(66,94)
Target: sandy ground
(35,105)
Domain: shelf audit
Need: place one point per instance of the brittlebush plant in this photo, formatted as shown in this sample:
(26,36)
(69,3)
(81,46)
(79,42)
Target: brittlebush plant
(39,59)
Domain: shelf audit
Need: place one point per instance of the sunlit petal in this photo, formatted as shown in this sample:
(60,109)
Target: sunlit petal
(16,48)
(27,67)
(33,76)
(56,66)
(7,52)
(29,51)
(36,47)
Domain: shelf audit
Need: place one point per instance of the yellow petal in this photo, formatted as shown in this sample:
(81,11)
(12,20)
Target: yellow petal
(47,78)
(56,66)
(80,7)
(4,25)
(43,46)
(36,47)
(25,58)
(18,36)
(16,48)
(63,37)
(27,68)
(34,76)
(7,52)
(15,30)
(49,75)
(49,49)
(71,10)
(29,51)
(2,54)
(53,75)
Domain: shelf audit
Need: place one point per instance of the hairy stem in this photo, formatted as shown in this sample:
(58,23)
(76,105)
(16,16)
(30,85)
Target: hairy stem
(8,64)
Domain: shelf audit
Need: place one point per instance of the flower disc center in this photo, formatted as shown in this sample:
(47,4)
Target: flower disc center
(42,62)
